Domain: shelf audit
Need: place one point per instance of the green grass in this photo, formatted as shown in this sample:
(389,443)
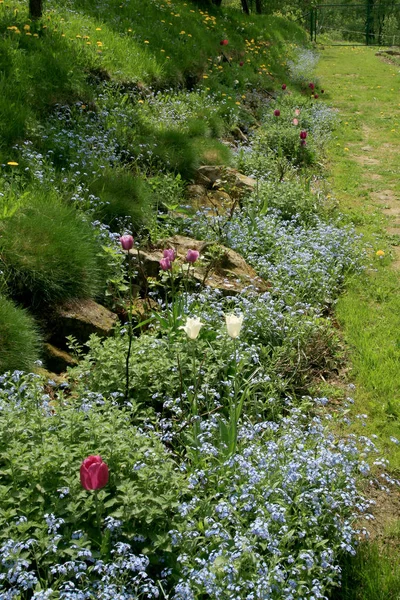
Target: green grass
(364,159)
(19,338)
(48,253)
(78,44)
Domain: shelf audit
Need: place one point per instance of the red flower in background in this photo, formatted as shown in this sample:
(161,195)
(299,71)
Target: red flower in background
(284,86)
(277,112)
(94,473)
(223,43)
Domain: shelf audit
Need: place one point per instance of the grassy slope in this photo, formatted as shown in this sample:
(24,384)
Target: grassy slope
(365,177)
(57,59)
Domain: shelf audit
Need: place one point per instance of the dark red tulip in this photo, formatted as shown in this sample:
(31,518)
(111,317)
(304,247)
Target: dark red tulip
(94,473)
(224,43)
(284,86)
(241,63)
(277,112)
(322,91)
(303,134)
(311,86)
(315,96)
(126,242)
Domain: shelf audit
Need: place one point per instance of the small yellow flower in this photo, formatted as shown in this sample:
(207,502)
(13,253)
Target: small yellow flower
(380,253)
(27,27)
(99,44)
(12,163)
(146,42)
(346,149)
(205,76)
(98,28)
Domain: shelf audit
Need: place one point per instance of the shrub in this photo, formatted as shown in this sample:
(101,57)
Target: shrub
(122,196)
(49,253)
(19,338)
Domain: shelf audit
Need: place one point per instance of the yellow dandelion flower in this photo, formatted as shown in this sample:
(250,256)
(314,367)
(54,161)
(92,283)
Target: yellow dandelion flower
(182,33)
(35,35)
(98,28)
(205,76)
(27,27)
(346,149)
(380,253)
(238,103)
(99,44)
(146,42)
(140,101)
(12,163)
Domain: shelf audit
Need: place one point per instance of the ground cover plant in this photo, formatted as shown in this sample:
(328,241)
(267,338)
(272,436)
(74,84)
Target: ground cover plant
(186,455)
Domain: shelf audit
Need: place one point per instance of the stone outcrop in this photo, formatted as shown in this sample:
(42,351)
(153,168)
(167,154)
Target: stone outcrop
(219,267)
(80,318)
(226,178)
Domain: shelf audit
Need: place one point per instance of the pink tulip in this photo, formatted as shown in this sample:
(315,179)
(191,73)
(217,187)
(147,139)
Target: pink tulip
(303,134)
(192,256)
(297,112)
(166,264)
(224,43)
(94,473)
(126,242)
(170,254)
(277,112)
(284,86)
(295,121)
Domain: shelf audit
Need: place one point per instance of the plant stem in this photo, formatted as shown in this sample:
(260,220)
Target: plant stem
(130,331)
(98,513)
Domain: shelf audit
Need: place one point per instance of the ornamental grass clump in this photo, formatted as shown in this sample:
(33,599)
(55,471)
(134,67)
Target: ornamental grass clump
(49,253)
(19,338)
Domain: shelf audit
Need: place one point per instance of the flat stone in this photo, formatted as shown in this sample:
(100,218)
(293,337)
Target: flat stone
(81,318)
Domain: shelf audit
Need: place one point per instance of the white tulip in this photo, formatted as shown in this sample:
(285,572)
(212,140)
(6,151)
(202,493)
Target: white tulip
(192,327)
(233,325)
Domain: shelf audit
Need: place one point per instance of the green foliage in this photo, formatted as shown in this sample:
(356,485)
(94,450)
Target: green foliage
(43,442)
(49,253)
(289,198)
(19,338)
(123,195)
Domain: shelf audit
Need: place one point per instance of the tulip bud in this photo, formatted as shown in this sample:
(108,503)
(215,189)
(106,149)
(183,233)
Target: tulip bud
(192,327)
(277,112)
(315,96)
(126,242)
(224,43)
(93,473)
(303,135)
(284,86)
(297,112)
(311,86)
(166,264)
(170,254)
(233,325)
(241,63)
(295,121)
(192,256)
(322,91)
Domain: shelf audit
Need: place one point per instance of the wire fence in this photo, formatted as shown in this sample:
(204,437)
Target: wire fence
(364,24)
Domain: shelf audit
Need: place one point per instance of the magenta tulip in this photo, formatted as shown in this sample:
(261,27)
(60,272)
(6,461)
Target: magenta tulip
(94,473)
(277,112)
(126,242)
(170,254)
(192,256)
(284,86)
(224,43)
(303,134)
(166,264)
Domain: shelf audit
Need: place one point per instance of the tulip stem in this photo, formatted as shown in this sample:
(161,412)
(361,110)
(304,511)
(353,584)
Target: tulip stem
(98,512)
(130,331)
